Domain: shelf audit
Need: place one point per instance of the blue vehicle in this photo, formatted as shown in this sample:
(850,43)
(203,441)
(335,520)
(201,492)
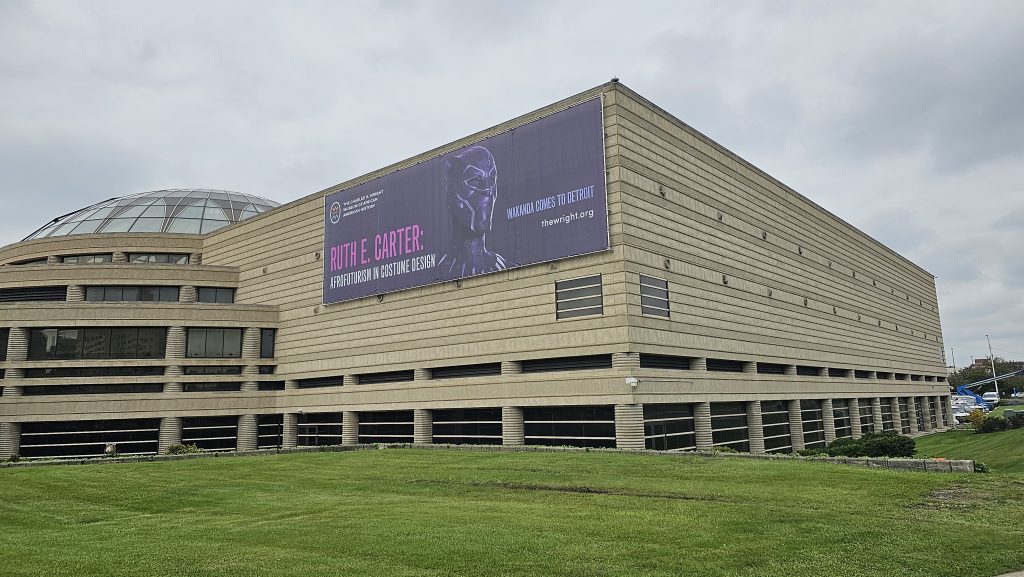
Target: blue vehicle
(966,389)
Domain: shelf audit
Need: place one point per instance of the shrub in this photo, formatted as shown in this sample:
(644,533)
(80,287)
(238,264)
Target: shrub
(991,424)
(980,467)
(723,449)
(1015,420)
(183,449)
(882,444)
(976,418)
(812,452)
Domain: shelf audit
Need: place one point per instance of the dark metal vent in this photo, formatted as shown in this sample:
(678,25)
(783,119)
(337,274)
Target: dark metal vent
(648,361)
(568,363)
(33,294)
(455,372)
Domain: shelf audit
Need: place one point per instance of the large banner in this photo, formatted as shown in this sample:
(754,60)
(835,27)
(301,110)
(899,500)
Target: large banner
(532,194)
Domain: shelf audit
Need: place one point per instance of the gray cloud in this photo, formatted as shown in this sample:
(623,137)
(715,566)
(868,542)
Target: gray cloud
(902,118)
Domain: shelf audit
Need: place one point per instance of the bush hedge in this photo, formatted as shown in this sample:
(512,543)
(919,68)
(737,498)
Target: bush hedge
(883,444)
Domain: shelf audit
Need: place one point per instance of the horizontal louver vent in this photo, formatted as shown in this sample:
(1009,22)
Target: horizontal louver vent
(568,364)
(578,297)
(648,361)
(771,369)
(385,377)
(654,296)
(332,381)
(479,370)
(806,371)
(33,294)
(725,365)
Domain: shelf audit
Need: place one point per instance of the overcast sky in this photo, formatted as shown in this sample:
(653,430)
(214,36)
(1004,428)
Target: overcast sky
(904,118)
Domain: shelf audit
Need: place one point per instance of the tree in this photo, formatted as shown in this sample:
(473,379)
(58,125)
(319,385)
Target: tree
(971,374)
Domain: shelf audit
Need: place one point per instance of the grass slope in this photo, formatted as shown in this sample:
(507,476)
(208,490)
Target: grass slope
(1002,451)
(433,513)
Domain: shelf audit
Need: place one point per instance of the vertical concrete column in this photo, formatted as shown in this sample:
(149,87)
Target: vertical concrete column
(750,368)
(629,427)
(512,428)
(119,257)
(511,367)
(926,415)
(790,370)
(796,425)
(170,433)
(897,420)
(828,420)
(947,406)
(421,374)
(755,427)
(175,351)
(10,440)
(938,412)
(187,294)
(702,425)
(876,414)
(855,423)
(75,293)
(195,258)
(625,360)
(699,364)
(53,259)
(872,374)
(17,351)
(912,413)
(289,429)
(422,426)
(291,385)
(248,432)
(250,352)
(350,380)
(350,428)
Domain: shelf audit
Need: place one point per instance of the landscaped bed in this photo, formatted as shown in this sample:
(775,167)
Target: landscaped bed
(447,512)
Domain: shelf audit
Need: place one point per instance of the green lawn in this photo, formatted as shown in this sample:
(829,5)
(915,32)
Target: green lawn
(1003,452)
(442,512)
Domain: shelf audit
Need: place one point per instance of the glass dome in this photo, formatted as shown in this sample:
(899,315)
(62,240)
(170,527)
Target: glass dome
(189,211)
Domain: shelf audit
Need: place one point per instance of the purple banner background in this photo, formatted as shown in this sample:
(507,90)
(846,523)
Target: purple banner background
(532,194)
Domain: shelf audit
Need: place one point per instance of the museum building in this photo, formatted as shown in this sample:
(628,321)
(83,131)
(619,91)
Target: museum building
(595,273)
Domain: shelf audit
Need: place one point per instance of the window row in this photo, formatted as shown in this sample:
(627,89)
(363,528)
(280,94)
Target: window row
(97,343)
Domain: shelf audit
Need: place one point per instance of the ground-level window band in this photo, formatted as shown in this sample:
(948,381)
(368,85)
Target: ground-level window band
(920,414)
(904,416)
(729,426)
(841,414)
(318,429)
(467,426)
(775,419)
(933,413)
(70,439)
(813,423)
(867,416)
(887,423)
(386,427)
(270,431)
(573,426)
(669,427)
(210,433)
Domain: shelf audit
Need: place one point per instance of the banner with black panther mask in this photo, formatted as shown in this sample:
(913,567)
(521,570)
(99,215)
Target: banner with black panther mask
(534,193)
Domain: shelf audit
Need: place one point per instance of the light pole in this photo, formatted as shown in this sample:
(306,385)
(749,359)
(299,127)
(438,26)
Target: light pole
(992,360)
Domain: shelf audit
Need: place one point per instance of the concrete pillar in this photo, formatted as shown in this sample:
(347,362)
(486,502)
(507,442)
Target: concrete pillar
(350,380)
(350,428)
(250,352)
(876,414)
(947,407)
(855,418)
(755,427)
(17,351)
(422,426)
(187,294)
(10,440)
(926,415)
(511,367)
(247,433)
(75,293)
(629,427)
(291,385)
(250,386)
(119,257)
(289,430)
(897,420)
(828,420)
(938,412)
(421,374)
(699,364)
(796,425)
(52,259)
(512,428)
(176,338)
(702,425)
(11,391)
(872,374)
(912,412)
(790,370)
(172,379)
(170,433)
(750,368)
(625,360)
(195,258)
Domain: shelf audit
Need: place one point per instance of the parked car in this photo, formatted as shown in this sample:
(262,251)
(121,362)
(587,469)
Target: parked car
(990,397)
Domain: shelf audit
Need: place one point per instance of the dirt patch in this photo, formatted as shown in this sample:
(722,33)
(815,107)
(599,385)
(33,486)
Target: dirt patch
(954,497)
(579,489)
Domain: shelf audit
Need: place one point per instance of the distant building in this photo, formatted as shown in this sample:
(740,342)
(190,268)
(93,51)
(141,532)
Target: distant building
(595,273)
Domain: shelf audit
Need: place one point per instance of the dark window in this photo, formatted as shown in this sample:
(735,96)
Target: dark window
(4,336)
(806,371)
(386,427)
(87,258)
(836,372)
(131,293)
(268,342)
(887,414)
(61,372)
(885,376)
(269,431)
(904,416)
(862,374)
(467,426)
(33,262)
(97,343)
(669,427)
(654,296)
(567,364)
(267,369)
(71,439)
(214,343)
(578,297)
(319,382)
(455,372)
(729,425)
(841,414)
(221,295)
(592,426)
(33,294)
(649,361)
(271,385)
(901,376)
(157,258)
(315,429)
(814,426)
(210,433)
(214,370)
(725,365)
(867,416)
(211,387)
(771,369)
(915,377)
(385,377)
(775,418)
(93,389)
